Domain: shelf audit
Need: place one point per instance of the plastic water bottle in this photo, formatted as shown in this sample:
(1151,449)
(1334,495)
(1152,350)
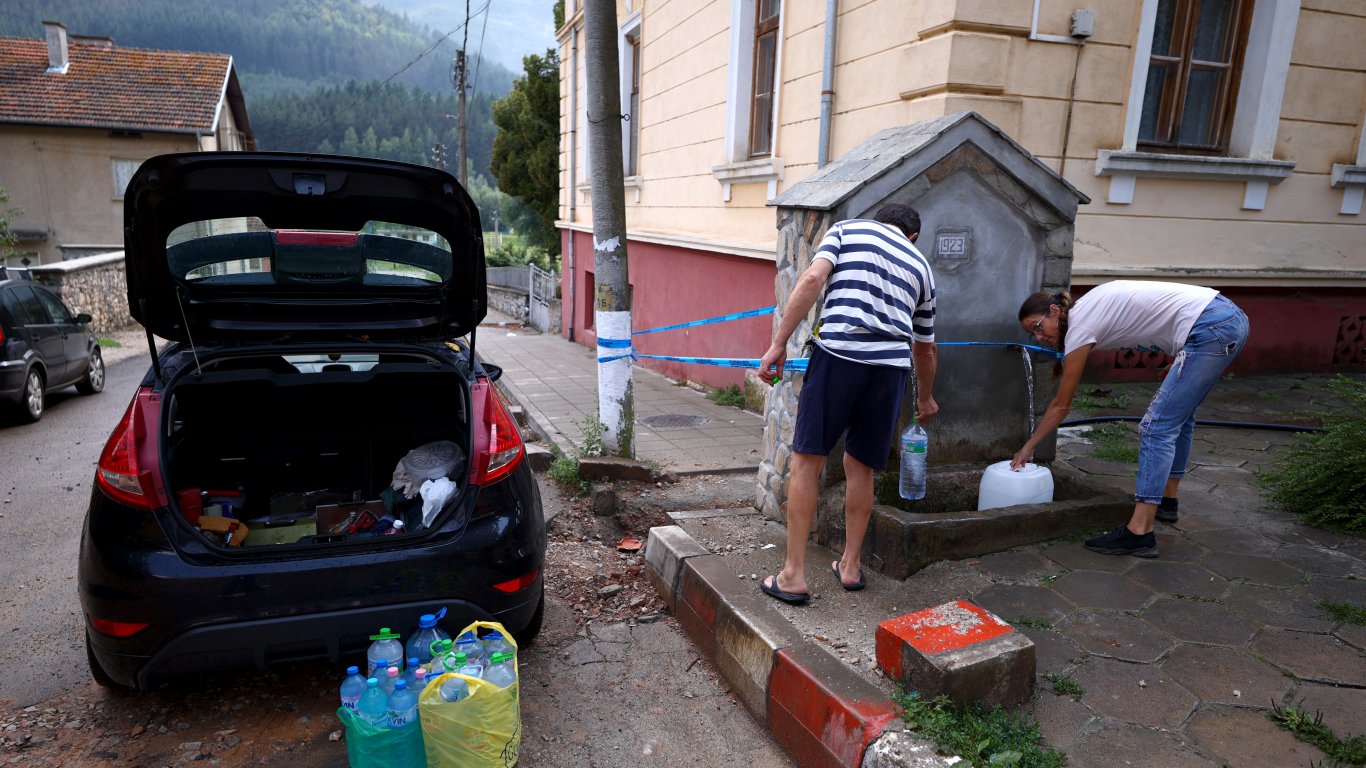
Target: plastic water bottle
(440,649)
(352,688)
(496,643)
(454,689)
(420,642)
(466,666)
(469,644)
(385,647)
(409,673)
(391,677)
(501,671)
(402,705)
(374,705)
(914,449)
(419,679)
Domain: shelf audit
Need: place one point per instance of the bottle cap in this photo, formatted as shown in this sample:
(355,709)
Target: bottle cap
(413,661)
(372,682)
(426,621)
(393,672)
(352,671)
(499,658)
(420,673)
(385,634)
(381,663)
(461,657)
(400,684)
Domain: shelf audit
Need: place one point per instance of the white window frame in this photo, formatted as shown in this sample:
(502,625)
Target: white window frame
(738,168)
(123,171)
(629,31)
(1257,115)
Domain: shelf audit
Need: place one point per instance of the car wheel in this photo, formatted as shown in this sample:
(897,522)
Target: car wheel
(94,375)
(97,672)
(533,628)
(31,401)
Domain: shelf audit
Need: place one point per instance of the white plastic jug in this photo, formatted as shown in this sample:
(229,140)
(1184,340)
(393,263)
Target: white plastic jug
(1002,487)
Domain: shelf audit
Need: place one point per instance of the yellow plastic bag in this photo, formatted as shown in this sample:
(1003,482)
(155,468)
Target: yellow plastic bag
(482,731)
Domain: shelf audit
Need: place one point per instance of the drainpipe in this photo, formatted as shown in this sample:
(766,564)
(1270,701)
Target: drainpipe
(827,82)
(573,168)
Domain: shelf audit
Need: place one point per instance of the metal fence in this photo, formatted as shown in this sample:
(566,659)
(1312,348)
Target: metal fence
(541,288)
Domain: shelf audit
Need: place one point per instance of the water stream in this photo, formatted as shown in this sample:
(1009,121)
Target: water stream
(1029,386)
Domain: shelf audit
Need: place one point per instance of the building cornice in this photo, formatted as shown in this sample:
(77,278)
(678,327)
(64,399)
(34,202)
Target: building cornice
(743,250)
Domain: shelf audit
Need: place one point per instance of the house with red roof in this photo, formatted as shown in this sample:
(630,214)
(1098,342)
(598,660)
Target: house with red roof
(79,114)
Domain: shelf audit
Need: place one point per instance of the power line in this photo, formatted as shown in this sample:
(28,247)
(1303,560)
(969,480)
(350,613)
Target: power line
(480,56)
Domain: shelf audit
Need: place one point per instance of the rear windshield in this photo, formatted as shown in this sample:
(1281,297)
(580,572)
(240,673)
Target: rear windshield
(244,251)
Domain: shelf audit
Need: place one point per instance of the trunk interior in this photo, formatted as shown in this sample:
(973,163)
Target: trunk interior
(270,451)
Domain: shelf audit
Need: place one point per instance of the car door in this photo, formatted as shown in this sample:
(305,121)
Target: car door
(43,334)
(75,344)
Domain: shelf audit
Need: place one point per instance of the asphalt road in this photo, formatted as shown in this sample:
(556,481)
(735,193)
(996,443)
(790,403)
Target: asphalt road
(48,471)
(605,694)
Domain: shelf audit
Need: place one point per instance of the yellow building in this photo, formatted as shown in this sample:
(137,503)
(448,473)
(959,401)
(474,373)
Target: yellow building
(1220,142)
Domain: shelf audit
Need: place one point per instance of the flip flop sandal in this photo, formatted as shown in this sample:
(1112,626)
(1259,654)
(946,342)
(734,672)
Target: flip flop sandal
(773,590)
(835,566)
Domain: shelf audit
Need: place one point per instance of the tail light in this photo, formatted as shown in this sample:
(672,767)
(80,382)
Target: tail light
(127,471)
(116,628)
(502,451)
(517,584)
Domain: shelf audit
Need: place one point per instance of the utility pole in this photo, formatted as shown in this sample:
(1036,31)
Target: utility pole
(458,80)
(616,405)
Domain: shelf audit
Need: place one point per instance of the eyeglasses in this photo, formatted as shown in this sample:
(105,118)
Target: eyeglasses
(1037,327)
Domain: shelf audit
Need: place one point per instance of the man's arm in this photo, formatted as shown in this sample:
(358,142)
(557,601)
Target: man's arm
(804,295)
(926,355)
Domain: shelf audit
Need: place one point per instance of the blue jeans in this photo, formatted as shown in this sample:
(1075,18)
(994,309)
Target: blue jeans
(1168,428)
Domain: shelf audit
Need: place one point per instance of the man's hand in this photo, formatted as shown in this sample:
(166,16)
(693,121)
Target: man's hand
(771,364)
(925,409)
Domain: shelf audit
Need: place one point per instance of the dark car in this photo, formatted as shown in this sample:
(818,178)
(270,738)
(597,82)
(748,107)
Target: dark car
(44,347)
(252,506)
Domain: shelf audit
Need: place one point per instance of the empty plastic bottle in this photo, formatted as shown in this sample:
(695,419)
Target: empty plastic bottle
(496,643)
(502,671)
(352,688)
(419,680)
(420,642)
(385,647)
(440,650)
(914,451)
(402,705)
(409,672)
(467,666)
(387,682)
(454,689)
(374,705)
(469,644)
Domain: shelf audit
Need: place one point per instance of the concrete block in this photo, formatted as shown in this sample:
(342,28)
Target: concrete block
(901,749)
(539,457)
(749,633)
(706,584)
(613,468)
(958,649)
(604,500)
(666,549)
(822,712)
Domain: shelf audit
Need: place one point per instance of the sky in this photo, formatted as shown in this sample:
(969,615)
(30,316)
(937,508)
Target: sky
(510,30)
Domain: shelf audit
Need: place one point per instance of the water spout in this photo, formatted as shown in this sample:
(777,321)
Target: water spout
(1029,386)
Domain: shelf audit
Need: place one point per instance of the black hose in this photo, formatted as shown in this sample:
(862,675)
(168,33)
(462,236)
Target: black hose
(1198,423)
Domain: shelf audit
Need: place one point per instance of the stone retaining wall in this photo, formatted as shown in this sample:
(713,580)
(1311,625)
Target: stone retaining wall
(94,284)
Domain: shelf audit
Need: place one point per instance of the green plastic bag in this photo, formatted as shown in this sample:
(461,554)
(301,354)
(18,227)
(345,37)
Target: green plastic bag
(482,731)
(370,746)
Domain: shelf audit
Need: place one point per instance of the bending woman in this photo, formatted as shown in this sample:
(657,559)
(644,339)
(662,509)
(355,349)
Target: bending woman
(1199,326)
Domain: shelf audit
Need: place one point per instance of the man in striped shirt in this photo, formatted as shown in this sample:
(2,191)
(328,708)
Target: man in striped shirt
(879,309)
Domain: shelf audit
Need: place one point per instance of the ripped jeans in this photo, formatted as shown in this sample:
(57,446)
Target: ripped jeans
(1168,428)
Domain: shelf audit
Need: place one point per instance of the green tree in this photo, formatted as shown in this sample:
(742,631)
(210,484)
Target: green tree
(7,236)
(526,151)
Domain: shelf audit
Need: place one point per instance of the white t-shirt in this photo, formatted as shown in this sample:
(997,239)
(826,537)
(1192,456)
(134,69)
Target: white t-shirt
(1136,314)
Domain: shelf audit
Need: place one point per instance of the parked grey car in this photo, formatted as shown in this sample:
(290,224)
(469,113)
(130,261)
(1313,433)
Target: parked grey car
(44,347)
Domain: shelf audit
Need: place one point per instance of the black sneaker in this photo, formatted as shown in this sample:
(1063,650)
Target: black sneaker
(1166,511)
(1122,541)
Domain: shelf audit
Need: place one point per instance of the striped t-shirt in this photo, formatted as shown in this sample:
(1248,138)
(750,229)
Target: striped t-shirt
(880,296)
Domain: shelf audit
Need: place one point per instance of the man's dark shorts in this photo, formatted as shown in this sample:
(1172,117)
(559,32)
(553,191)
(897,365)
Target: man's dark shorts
(840,394)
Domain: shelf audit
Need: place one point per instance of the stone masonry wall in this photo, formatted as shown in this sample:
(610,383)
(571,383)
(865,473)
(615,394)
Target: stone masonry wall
(799,233)
(94,284)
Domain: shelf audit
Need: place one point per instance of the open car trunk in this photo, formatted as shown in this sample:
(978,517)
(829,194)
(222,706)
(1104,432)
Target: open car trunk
(272,451)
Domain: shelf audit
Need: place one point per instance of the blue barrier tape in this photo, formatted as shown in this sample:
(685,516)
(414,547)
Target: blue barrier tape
(614,343)
(799,364)
(710,320)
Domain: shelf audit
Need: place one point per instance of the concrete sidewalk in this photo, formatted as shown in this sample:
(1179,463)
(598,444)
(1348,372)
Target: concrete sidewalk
(556,383)
(1180,657)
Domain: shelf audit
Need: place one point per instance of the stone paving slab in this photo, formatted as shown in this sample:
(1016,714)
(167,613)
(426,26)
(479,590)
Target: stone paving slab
(1247,632)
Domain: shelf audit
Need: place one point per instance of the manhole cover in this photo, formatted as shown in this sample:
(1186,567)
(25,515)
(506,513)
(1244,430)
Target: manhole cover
(675,420)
